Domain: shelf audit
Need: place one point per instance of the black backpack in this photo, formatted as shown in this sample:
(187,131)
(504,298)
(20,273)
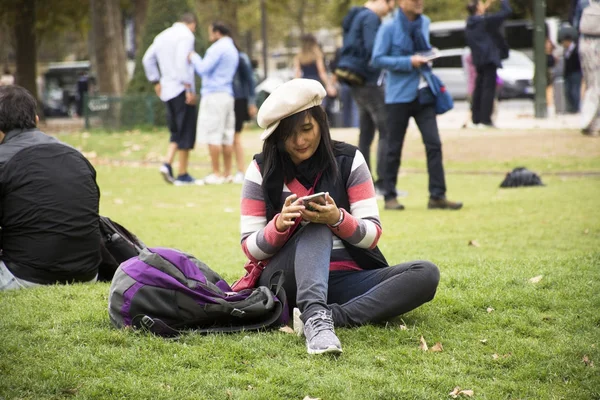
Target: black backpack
(521,176)
(117,245)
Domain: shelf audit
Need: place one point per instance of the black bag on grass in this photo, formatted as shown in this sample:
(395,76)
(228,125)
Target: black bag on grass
(521,176)
(117,245)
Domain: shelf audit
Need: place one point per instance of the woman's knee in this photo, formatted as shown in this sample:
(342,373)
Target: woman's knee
(315,233)
(430,277)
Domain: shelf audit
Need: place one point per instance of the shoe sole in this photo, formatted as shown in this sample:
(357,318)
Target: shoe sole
(170,180)
(179,183)
(444,208)
(328,350)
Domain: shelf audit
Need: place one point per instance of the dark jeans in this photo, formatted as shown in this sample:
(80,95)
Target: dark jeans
(181,120)
(425,117)
(354,297)
(482,105)
(370,100)
(573,91)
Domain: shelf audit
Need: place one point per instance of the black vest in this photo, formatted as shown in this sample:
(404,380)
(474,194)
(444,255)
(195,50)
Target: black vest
(344,157)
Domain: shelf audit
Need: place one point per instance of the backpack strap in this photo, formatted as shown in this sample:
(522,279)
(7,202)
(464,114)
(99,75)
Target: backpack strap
(161,328)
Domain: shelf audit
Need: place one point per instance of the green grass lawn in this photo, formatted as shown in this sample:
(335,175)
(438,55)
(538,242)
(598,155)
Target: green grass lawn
(58,341)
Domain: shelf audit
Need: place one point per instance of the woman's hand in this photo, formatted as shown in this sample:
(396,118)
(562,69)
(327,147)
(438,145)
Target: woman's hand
(325,214)
(291,210)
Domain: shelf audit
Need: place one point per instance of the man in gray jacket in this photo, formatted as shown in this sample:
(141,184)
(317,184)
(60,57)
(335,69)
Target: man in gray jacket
(360,28)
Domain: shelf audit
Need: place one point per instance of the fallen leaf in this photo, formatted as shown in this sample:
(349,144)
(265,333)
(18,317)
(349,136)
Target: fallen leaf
(436,348)
(454,393)
(483,341)
(286,329)
(489,309)
(118,201)
(229,394)
(536,279)
(586,231)
(311,398)
(586,360)
(474,243)
(423,344)
(495,356)
(457,392)
(250,387)
(403,327)
(380,359)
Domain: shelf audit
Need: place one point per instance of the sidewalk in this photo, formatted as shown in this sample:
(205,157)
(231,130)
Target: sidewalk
(513,114)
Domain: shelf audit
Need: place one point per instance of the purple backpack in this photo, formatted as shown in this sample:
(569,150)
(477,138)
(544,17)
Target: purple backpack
(164,291)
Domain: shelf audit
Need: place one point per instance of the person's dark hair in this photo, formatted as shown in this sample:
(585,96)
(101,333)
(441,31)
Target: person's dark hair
(221,27)
(277,159)
(18,108)
(6,71)
(472,7)
(188,18)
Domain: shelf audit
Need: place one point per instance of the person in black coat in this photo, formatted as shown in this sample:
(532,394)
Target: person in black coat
(572,72)
(488,48)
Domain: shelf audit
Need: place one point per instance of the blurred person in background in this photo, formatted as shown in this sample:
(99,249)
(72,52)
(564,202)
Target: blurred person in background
(244,108)
(310,64)
(572,72)
(589,54)
(167,68)
(354,67)
(216,119)
(396,49)
(488,48)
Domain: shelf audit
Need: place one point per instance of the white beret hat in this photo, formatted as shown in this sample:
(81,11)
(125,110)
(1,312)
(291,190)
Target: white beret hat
(288,99)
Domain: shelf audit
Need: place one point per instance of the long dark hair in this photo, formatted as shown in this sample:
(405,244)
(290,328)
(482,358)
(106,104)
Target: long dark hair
(277,159)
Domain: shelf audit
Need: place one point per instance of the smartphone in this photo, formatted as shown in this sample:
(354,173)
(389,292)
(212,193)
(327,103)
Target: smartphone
(318,198)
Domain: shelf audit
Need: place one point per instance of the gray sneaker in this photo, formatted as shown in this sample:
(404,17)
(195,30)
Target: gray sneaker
(320,336)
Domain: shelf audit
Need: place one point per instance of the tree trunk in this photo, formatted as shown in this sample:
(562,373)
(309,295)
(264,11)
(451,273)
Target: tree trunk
(108,46)
(26,47)
(139,19)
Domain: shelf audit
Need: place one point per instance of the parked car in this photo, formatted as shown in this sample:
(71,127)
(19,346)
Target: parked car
(518,33)
(517,74)
(59,91)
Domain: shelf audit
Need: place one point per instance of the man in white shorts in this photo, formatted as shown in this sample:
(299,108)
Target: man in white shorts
(216,119)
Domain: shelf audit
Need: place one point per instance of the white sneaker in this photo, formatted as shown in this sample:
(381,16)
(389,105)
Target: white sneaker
(238,178)
(228,179)
(213,179)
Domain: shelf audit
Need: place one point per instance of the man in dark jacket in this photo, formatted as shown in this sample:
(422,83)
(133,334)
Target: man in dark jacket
(360,28)
(48,202)
(572,71)
(488,48)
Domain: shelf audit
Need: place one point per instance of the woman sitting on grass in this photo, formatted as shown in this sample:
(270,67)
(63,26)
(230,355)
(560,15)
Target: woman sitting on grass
(334,272)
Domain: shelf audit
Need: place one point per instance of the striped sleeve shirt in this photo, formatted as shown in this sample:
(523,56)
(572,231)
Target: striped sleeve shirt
(361,226)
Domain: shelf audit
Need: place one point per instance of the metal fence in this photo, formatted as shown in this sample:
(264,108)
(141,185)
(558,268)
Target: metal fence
(123,112)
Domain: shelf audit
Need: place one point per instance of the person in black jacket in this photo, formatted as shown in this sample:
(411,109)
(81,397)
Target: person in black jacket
(48,202)
(488,48)
(572,72)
